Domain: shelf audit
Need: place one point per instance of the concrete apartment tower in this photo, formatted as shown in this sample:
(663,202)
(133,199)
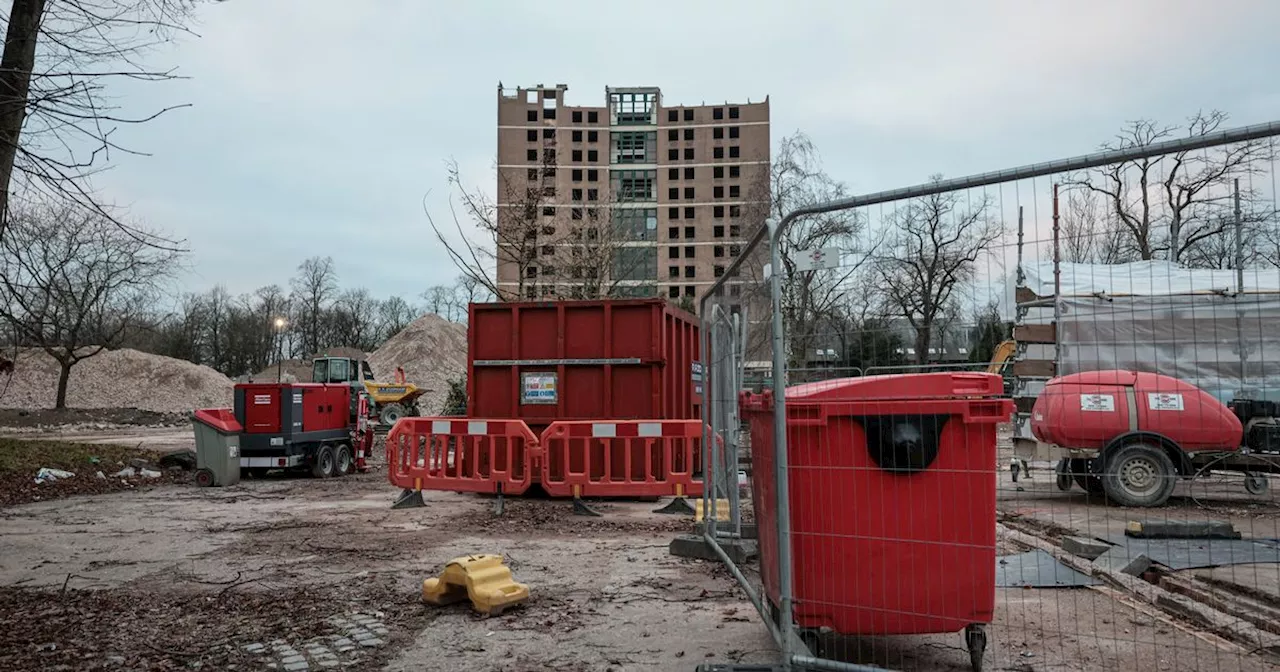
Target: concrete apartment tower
(631,198)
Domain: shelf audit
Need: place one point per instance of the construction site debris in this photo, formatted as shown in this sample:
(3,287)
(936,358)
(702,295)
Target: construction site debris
(432,351)
(117,379)
(46,475)
(482,578)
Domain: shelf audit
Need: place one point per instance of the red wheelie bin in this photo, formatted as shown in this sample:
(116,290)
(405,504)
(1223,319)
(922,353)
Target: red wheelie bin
(892,502)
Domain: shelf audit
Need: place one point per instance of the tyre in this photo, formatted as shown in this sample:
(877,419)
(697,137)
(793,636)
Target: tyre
(975,639)
(204,478)
(1256,483)
(1063,475)
(1139,474)
(390,413)
(322,464)
(1084,476)
(343,459)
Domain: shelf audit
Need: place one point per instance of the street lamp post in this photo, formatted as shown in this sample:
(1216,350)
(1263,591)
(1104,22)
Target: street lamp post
(280,324)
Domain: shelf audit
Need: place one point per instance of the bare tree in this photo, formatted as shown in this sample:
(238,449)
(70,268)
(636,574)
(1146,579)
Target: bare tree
(1166,206)
(810,299)
(313,290)
(1087,235)
(73,284)
(542,244)
(394,315)
(933,245)
(352,320)
(441,300)
(504,232)
(57,121)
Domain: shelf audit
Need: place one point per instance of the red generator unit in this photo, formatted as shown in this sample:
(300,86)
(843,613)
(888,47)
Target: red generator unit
(1131,435)
(295,426)
(892,484)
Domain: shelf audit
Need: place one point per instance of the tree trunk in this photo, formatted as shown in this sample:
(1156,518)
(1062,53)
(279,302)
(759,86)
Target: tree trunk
(924,335)
(63,376)
(16,64)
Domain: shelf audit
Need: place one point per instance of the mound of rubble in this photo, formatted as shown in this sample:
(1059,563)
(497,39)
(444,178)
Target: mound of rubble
(432,351)
(299,370)
(290,371)
(116,379)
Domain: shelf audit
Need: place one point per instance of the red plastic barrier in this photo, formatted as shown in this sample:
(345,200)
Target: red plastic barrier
(625,458)
(461,455)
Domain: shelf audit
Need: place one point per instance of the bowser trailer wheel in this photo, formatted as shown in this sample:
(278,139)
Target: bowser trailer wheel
(322,465)
(1139,474)
(204,478)
(343,460)
(1063,471)
(1084,476)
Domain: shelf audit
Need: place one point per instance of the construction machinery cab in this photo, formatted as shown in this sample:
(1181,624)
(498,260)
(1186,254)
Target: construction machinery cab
(387,401)
(340,370)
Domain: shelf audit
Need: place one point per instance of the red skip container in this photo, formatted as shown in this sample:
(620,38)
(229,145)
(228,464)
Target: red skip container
(893,500)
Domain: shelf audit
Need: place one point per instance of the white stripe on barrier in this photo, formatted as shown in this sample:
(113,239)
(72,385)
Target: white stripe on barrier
(604,430)
(650,429)
(480,427)
(441,427)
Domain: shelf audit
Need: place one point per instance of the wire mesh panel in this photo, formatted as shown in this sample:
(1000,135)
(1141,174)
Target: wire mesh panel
(1027,420)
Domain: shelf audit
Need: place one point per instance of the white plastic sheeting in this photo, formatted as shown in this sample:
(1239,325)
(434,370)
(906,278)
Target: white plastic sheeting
(1143,278)
(1205,339)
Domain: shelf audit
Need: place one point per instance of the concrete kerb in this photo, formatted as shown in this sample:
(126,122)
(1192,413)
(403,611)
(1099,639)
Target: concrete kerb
(1217,621)
(740,551)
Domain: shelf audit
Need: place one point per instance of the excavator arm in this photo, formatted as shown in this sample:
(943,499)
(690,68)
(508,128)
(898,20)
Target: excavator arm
(1000,358)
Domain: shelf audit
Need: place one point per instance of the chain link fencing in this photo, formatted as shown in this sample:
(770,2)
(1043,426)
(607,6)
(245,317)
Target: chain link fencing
(1024,420)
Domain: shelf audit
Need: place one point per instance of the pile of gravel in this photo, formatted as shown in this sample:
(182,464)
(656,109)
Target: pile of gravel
(116,379)
(432,351)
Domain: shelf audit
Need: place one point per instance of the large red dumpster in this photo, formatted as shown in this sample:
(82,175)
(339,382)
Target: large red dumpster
(893,500)
(622,359)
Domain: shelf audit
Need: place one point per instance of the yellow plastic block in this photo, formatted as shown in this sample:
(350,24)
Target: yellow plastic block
(722,510)
(481,578)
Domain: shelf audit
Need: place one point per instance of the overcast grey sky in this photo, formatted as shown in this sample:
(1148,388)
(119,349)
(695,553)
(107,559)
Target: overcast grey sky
(318,126)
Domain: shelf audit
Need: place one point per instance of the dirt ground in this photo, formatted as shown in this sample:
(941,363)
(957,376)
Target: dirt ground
(172,577)
(176,577)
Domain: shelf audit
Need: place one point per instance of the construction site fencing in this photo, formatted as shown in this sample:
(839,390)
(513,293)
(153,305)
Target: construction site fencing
(659,458)
(579,459)
(1023,420)
(468,455)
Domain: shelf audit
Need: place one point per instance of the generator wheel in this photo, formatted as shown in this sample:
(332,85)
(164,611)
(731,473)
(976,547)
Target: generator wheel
(343,460)
(204,478)
(1256,483)
(390,413)
(1139,474)
(322,464)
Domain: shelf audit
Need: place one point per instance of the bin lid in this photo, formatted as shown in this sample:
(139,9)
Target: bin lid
(221,419)
(901,386)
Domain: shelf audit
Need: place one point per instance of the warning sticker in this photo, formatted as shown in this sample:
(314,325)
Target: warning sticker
(538,388)
(262,399)
(1164,401)
(1103,403)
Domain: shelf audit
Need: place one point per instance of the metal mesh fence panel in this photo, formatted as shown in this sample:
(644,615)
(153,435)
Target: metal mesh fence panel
(1026,420)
